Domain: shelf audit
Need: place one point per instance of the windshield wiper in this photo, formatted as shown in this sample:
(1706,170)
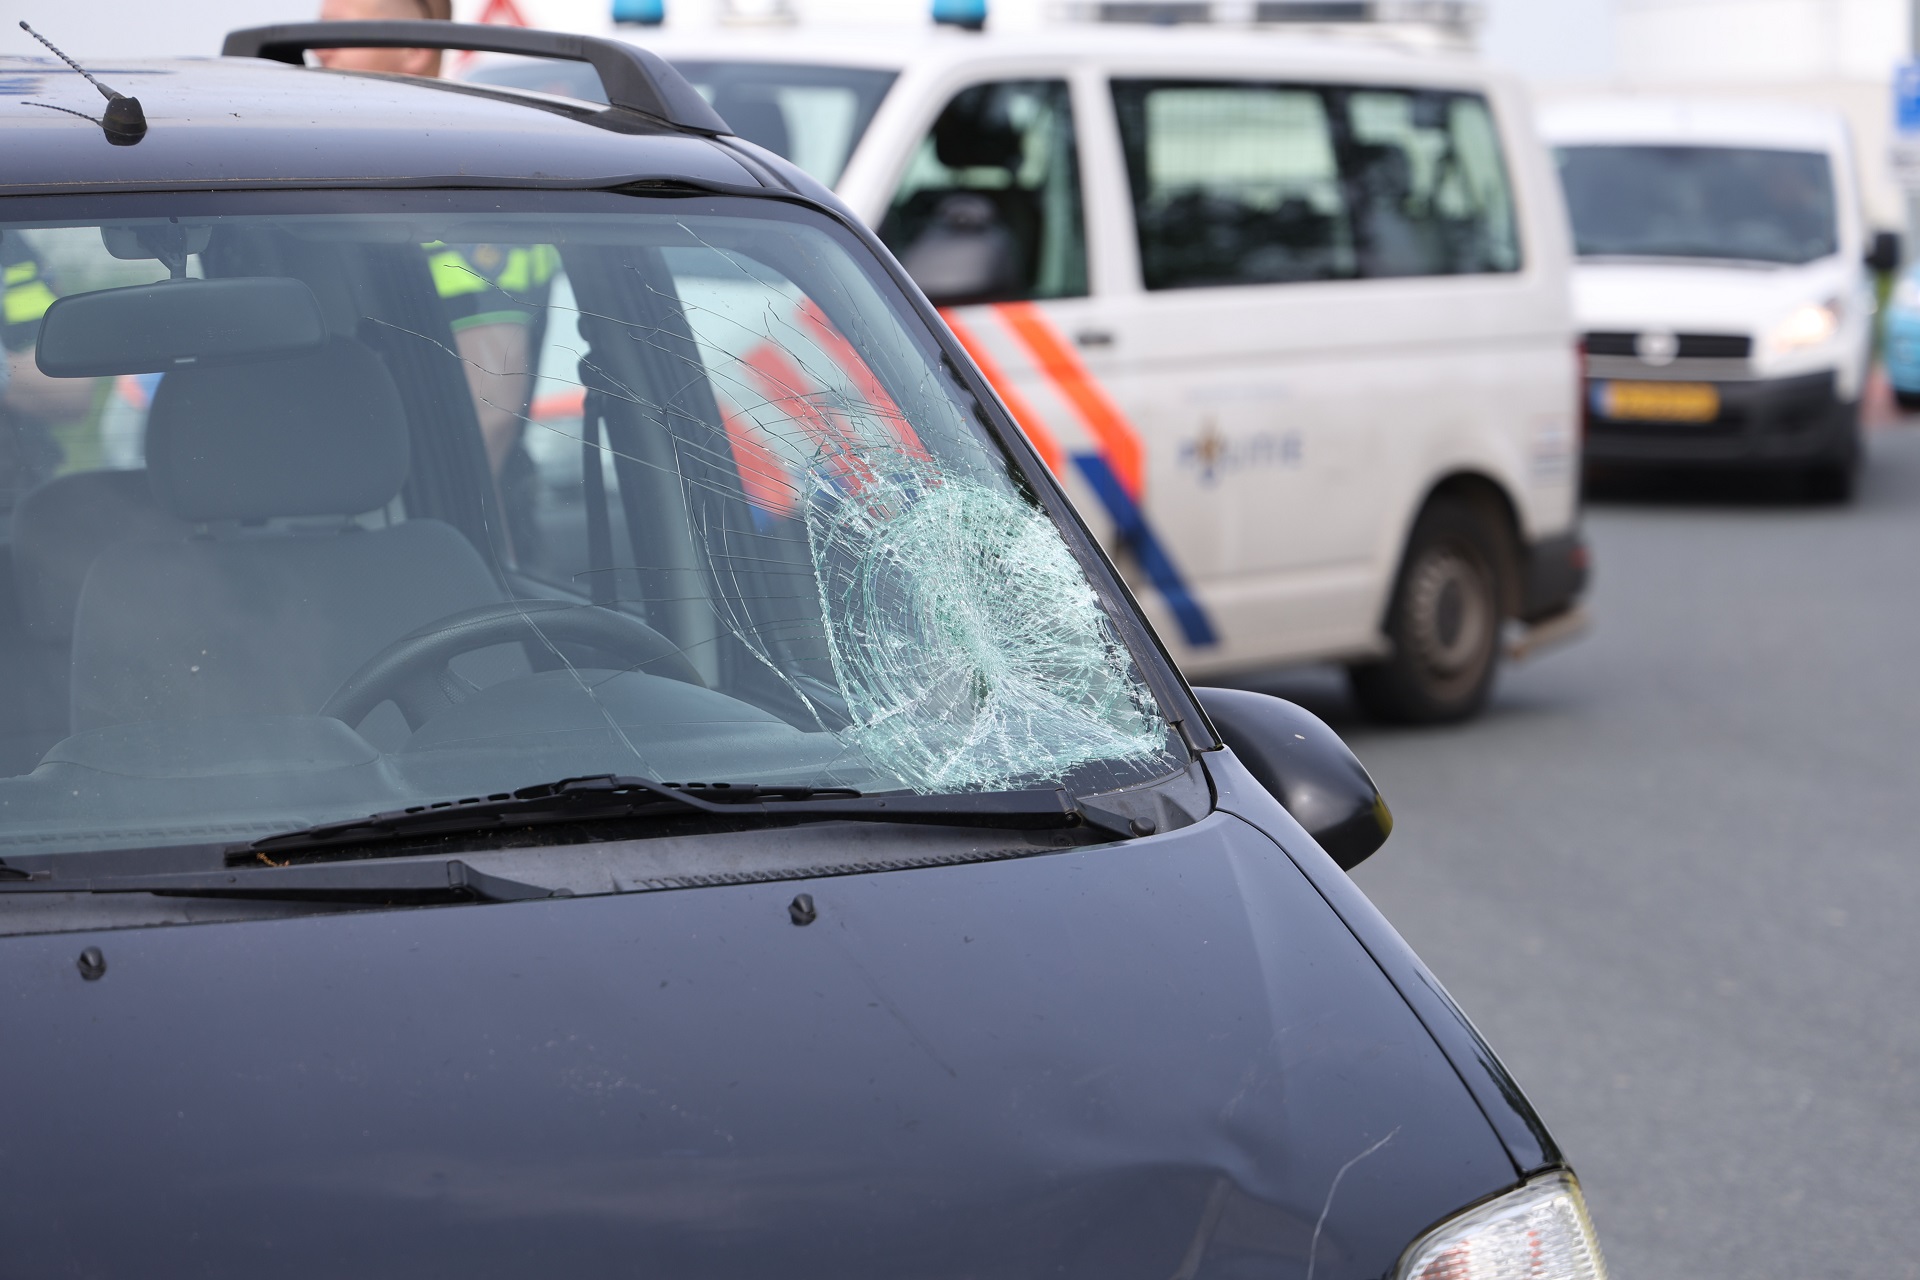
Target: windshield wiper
(605,797)
(394,883)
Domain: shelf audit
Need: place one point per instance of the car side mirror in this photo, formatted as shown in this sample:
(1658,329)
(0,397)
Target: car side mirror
(1884,256)
(1306,766)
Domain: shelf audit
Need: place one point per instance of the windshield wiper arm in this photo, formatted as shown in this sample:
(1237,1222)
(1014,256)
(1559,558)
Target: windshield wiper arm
(604,797)
(410,883)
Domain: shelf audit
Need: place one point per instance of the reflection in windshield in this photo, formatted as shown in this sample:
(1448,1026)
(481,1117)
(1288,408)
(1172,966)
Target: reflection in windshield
(1699,202)
(743,526)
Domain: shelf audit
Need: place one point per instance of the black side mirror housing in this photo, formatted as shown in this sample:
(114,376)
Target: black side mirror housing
(1884,255)
(1306,766)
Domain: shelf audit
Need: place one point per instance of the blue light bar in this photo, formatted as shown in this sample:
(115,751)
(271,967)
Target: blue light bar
(968,14)
(643,13)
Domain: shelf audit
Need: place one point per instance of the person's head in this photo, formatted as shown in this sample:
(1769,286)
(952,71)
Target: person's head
(411,62)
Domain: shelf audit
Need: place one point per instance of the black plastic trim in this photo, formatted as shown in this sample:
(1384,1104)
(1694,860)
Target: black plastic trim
(1555,576)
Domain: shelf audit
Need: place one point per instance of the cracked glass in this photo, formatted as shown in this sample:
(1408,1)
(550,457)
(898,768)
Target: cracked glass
(315,514)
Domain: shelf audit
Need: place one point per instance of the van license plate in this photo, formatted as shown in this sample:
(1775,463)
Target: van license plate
(1658,401)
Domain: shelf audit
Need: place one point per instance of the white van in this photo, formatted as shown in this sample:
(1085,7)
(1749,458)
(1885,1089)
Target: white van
(1289,317)
(1720,285)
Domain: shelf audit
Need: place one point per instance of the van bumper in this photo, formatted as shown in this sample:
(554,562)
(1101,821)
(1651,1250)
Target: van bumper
(1555,576)
(1764,422)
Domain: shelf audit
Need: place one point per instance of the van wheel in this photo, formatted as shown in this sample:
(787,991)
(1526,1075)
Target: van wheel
(1830,482)
(1444,621)
(1832,479)
(1908,400)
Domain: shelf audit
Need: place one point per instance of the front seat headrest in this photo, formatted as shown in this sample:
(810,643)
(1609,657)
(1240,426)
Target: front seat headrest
(321,433)
(975,132)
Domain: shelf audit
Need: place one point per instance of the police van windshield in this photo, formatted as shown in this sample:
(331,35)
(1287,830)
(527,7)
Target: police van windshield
(812,115)
(1747,203)
(318,514)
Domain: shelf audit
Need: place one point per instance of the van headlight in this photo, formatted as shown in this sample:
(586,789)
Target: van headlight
(1540,1232)
(1806,326)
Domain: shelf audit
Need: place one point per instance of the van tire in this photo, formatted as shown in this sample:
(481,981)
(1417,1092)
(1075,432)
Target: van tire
(1833,479)
(1444,622)
(1908,400)
(1830,482)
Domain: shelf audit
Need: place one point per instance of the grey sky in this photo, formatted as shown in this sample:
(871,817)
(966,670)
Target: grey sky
(1551,39)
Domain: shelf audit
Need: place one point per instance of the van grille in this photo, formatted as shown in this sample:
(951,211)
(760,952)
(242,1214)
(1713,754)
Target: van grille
(1693,346)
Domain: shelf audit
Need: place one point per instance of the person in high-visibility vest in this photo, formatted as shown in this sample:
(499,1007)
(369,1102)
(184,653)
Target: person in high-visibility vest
(31,403)
(496,298)
(495,294)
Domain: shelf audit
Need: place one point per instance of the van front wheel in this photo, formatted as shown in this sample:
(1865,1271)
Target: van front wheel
(1444,621)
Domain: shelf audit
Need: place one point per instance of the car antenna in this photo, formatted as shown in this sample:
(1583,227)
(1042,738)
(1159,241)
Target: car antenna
(124,121)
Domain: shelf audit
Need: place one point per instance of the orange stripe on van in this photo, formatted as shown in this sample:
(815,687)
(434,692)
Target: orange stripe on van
(835,344)
(1023,413)
(763,477)
(785,386)
(1117,438)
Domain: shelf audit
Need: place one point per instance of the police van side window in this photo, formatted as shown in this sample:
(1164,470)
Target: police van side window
(989,208)
(1233,184)
(1428,187)
(1238,183)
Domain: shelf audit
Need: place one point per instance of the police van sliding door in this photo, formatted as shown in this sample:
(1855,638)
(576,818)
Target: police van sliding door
(1319,270)
(989,218)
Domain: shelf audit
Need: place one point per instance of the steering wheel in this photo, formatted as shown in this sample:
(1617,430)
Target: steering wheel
(414,672)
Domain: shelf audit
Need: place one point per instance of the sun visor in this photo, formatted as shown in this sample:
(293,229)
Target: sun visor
(152,328)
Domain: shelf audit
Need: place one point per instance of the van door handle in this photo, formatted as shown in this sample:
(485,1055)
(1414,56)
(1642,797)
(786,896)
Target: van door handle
(1094,338)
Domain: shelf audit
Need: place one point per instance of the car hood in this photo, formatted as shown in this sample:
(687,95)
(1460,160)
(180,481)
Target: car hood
(1701,297)
(1163,1057)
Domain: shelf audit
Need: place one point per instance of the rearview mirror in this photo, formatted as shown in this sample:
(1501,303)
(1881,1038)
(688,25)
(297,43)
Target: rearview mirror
(1884,256)
(1306,766)
(151,328)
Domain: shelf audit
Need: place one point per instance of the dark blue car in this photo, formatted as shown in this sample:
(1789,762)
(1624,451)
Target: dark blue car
(554,726)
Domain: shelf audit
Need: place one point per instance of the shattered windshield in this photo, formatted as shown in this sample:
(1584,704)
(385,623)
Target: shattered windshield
(314,514)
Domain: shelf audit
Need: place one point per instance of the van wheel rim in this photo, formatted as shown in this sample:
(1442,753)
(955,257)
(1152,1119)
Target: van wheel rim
(1450,612)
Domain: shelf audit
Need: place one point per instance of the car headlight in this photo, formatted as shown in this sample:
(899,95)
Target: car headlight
(1804,327)
(1539,1232)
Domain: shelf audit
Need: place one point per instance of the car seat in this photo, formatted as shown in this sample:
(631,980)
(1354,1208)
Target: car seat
(251,612)
(1393,240)
(61,527)
(978,241)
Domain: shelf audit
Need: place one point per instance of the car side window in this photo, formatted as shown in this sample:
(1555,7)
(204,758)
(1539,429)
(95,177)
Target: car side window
(1237,183)
(989,208)
(1233,183)
(1428,187)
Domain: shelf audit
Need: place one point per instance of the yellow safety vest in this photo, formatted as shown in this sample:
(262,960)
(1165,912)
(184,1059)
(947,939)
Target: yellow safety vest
(490,283)
(24,298)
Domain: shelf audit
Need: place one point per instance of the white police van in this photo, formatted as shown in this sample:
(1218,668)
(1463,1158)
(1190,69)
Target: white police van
(1288,316)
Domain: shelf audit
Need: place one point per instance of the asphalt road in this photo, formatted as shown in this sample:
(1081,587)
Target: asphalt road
(1674,876)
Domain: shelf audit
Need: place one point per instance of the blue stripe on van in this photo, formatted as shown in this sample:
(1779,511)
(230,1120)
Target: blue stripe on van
(1131,522)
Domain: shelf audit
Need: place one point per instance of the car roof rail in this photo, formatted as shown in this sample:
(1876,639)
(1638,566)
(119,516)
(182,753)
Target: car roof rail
(634,79)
